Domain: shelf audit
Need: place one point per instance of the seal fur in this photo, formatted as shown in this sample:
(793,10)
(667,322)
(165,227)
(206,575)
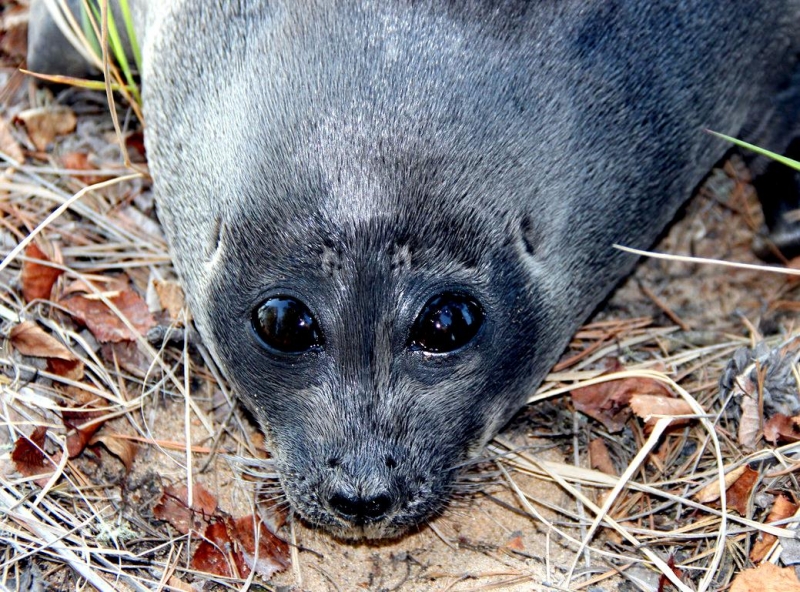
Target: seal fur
(366,156)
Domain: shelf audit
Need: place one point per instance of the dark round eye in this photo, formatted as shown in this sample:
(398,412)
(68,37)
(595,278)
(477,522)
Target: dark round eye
(446,323)
(285,324)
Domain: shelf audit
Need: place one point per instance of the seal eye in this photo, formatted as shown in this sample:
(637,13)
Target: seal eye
(446,323)
(285,324)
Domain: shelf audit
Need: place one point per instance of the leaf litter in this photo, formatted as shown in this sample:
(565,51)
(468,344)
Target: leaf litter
(695,439)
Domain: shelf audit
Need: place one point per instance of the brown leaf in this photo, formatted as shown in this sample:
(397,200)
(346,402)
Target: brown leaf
(710,492)
(217,554)
(645,406)
(767,577)
(30,459)
(30,339)
(124,449)
(171,296)
(78,433)
(79,161)
(600,458)
(45,123)
(71,369)
(782,508)
(750,423)
(9,144)
(781,429)
(174,508)
(128,356)
(738,494)
(607,402)
(37,279)
(269,556)
(14,32)
(515,542)
(104,324)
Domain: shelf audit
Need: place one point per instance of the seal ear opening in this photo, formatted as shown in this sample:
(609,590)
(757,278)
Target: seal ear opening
(215,244)
(529,236)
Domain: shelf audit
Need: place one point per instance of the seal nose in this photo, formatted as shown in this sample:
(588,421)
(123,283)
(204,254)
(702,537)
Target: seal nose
(359,509)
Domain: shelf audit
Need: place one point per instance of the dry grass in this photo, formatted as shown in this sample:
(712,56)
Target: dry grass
(541,518)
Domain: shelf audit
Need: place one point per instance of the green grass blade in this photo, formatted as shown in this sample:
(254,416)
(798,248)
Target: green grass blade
(126,15)
(777,157)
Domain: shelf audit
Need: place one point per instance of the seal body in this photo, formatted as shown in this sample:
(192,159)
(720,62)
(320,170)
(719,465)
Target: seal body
(366,158)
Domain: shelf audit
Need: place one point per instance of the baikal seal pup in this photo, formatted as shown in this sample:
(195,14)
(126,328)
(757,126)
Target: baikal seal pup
(390,216)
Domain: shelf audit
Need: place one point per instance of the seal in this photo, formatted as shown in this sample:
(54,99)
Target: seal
(390,217)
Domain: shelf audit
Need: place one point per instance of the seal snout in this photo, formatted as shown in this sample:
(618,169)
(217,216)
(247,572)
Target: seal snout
(360,509)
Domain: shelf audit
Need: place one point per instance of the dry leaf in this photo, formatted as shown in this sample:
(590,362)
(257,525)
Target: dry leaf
(600,458)
(738,494)
(78,433)
(14,32)
(8,143)
(30,339)
(781,429)
(607,402)
(30,459)
(229,549)
(782,508)
(104,324)
(216,554)
(766,578)
(750,423)
(171,296)
(45,123)
(37,279)
(646,406)
(269,557)
(710,492)
(79,161)
(515,542)
(124,449)
(174,508)
(71,369)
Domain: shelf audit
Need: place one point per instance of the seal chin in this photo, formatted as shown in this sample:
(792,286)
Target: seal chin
(354,533)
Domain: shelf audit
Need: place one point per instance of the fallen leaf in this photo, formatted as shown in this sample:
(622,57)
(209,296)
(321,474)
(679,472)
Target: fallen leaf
(171,296)
(71,369)
(14,32)
(37,279)
(750,423)
(262,551)
(645,406)
(600,458)
(782,508)
(608,402)
(217,554)
(124,449)
(515,542)
(104,324)
(738,494)
(767,577)
(30,339)
(79,161)
(30,459)
(781,429)
(80,430)
(43,124)
(174,508)
(710,492)
(8,143)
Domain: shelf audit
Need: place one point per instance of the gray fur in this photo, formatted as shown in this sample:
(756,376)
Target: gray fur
(365,156)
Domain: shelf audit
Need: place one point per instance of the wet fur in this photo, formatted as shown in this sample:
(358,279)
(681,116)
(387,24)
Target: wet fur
(365,156)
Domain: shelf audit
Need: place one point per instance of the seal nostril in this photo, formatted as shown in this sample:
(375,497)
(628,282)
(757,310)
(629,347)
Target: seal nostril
(332,462)
(390,462)
(359,509)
